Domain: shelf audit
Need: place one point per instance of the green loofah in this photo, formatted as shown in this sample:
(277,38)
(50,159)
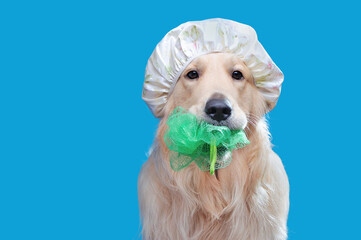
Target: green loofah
(190,139)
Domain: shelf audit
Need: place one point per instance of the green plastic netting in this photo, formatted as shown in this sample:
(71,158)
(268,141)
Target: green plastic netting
(191,139)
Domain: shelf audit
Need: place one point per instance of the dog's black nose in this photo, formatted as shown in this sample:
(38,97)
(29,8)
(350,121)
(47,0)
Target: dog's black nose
(218,109)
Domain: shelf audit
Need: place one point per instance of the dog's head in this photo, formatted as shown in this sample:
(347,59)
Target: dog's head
(219,88)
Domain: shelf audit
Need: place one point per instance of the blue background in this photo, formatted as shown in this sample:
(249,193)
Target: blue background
(75,132)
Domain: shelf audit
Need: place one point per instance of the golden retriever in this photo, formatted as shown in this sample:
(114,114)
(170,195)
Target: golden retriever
(247,200)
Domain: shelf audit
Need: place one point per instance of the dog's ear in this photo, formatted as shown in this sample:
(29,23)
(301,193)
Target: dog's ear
(169,106)
(259,105)
(269,106)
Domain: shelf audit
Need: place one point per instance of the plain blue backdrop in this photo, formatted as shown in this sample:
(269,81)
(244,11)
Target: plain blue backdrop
(74,130)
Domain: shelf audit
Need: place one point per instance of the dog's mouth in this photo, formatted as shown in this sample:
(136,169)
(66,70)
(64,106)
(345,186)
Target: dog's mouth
(227,123)
(216,174)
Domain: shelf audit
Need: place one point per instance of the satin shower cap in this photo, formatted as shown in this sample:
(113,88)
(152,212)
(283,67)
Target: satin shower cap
(192,39)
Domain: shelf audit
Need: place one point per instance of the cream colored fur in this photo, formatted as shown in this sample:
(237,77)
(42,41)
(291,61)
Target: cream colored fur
(247,200)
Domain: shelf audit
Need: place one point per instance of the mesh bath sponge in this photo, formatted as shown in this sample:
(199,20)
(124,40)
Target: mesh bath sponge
(191,139)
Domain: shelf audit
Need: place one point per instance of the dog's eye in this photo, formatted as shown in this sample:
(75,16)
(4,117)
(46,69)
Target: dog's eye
(192,74)
(237,75)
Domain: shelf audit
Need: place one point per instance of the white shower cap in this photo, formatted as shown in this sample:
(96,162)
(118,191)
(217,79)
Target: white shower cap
(192,39)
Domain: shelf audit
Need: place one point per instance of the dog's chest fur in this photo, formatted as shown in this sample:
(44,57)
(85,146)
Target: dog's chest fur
(248,201)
